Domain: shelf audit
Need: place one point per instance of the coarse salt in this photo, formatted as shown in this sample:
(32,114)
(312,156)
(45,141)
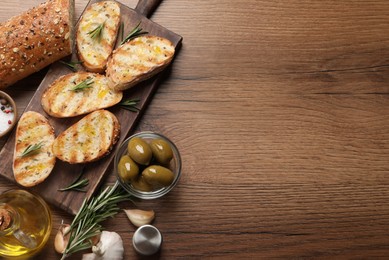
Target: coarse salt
(6,120)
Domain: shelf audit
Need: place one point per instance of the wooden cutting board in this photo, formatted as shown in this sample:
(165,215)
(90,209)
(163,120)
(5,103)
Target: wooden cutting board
(64,173)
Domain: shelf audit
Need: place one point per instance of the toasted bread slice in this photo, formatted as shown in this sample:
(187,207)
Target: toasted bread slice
(33,168)
(63,99)
(96,34)
(89,139)
(138,60)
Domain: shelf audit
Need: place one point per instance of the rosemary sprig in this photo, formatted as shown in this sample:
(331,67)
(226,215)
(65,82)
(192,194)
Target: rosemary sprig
(71,65)
(137,31)
(86,224)
(83,85)
(78,184)
(31,149)
(130,104)
(96,33)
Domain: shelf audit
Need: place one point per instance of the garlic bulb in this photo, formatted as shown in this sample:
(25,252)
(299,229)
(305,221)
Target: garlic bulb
(110,247)
(140,217)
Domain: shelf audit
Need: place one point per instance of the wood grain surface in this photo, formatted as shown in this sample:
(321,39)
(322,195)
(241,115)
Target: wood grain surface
(280,110)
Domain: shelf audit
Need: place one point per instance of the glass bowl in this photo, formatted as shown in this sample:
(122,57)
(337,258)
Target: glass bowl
(7,119)
(30,226)
(174,166)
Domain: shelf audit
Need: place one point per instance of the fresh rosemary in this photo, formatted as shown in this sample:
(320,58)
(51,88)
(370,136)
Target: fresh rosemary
(86,224)
(130,104)
(71,65)
(96,33)
(137,31)
(31,149)
(83,85)
(78,184)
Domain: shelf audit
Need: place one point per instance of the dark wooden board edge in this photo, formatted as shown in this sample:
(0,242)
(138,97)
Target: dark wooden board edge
(63,173)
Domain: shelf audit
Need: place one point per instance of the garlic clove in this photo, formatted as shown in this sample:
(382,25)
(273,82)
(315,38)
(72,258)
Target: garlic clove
(95,239)
(61,240)
(140,217)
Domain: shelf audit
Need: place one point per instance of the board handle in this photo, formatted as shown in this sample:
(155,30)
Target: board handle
(147,7)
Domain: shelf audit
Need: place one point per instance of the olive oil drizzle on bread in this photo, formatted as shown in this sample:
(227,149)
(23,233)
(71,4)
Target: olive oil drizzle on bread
(89,139)
(138,60)
(97,33)
(33,128)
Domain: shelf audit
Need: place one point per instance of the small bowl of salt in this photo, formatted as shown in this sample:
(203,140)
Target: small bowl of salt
(8,114)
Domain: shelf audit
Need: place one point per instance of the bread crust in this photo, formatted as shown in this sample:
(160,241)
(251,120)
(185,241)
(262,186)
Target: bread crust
(88,140)
(138,60)
(34,39)
(59,100)
(94,53)
(33,169)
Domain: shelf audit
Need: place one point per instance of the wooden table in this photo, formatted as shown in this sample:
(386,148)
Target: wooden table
(281,112)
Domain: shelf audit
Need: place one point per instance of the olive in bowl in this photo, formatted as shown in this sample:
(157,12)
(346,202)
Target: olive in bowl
(147,165)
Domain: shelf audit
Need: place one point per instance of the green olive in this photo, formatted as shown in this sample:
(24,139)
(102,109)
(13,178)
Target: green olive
(158,176)
(127,168)
(139,151)
(141,184)
(162,151)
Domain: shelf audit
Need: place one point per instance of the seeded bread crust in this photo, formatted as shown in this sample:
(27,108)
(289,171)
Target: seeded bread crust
(34,39)
(33,169)
(138,60)
(88,140)
(94,52)
(59,100)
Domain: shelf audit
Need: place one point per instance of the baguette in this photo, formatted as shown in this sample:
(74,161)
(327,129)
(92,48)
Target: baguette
(34,39)
(138,60)
(32,169)
(61,100)
(89,139)
(94,48)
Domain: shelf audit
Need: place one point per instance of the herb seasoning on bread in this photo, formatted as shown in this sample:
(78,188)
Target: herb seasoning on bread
(89,139)
(78,93)
(33,157)
(138,60)
(97,34)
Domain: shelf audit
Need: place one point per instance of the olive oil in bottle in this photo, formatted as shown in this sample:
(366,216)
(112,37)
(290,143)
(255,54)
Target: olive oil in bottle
(25,224)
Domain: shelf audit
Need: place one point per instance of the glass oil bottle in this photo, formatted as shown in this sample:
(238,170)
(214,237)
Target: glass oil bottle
(25,224)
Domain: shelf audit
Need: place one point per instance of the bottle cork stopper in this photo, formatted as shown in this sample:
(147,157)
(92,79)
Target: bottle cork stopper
(5,219)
